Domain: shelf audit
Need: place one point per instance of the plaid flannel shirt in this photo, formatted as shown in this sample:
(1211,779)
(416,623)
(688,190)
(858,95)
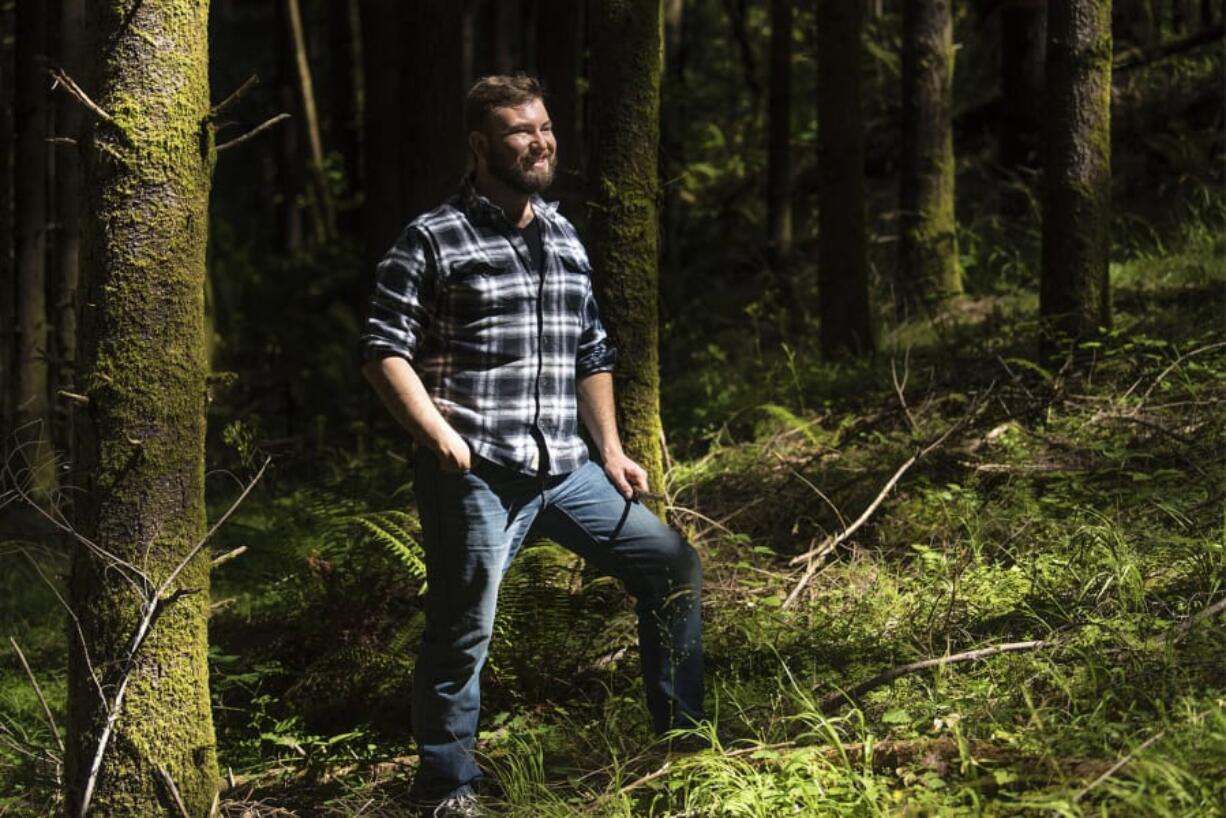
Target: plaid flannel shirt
(498,344)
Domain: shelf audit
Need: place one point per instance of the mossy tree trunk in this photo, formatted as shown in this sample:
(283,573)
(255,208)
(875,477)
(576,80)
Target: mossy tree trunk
(141,441)
(842,254)
(928,270)
(1022,49)
(31,108)
(627,46)
(1074,300)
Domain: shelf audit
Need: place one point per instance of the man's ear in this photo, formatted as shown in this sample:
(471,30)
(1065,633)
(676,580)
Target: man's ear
(479,144)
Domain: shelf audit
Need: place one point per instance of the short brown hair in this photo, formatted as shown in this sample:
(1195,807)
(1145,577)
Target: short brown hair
(499,91)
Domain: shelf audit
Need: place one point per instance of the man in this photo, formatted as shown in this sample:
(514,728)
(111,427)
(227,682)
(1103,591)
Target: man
(485,342)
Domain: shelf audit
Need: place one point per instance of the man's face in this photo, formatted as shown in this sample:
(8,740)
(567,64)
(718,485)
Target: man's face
(519,148)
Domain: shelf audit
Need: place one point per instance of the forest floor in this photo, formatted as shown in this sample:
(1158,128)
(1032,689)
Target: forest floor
(949,496)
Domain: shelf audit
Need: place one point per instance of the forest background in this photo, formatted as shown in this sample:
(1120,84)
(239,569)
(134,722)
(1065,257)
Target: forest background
(928,362)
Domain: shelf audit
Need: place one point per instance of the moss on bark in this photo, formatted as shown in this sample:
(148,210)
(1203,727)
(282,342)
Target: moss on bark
(626,63)
(1074,298)
(141,443)
(928,271)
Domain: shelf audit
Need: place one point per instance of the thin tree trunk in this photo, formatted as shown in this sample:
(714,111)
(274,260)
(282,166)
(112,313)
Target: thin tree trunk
(1074,300)
(779,157)
(1023,46)
(627,57)
(739,23)
(1133,22)
(65,270)
(559,63)
(31,108)
(414,141)
(8,270)
(325,210)
(842,273)
(928,271)
(141,446)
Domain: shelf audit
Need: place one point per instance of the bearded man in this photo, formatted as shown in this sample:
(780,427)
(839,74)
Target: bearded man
(485,342)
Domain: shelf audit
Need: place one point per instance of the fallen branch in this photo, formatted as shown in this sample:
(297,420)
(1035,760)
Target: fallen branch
(833,701)
(814,557)
(263,126)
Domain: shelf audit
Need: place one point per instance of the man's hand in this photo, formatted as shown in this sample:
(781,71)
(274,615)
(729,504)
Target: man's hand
(454,455)
(627,476)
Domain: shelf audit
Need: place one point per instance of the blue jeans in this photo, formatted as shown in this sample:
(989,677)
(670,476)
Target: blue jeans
(473,524)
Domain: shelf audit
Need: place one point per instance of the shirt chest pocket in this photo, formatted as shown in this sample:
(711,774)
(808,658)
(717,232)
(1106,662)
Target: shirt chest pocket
(481,288)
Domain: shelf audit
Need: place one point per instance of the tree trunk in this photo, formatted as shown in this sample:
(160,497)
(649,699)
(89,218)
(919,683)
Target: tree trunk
(1073,297)
(32,108)
(626,64)
(321,193)
(415,143)
(1133,22)
(673,115)
(928,271)
(559,64)
(8,270)
(842,273)
(141,447)
(779,161)
(1023,35)
(65,270)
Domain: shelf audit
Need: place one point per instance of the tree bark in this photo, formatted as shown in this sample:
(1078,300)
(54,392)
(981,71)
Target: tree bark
(1022,55)
(928,271)
(8,270)
(559,64)
(842,273)
(779,155)
(415,146)
(1074,300)
(31,108)
(67,243)
(147,176)
(325,210)
(626,64)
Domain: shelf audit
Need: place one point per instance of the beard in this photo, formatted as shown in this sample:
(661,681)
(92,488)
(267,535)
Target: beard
(518,173)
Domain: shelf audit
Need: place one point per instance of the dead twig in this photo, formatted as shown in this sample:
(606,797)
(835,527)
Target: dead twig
(833,701)
(38,691)
(1175,365)
(814,557)
(229,555)
(174,792)
(900,388)
(238,94)
(263,126)
(61,78)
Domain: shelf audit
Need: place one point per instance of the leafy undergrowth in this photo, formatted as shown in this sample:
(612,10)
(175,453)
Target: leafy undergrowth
(1078,515)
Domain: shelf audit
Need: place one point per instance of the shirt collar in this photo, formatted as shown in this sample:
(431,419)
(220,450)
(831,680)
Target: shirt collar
(476,206)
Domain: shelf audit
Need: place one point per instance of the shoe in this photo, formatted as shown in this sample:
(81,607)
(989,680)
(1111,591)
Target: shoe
(462,802)
(458,805)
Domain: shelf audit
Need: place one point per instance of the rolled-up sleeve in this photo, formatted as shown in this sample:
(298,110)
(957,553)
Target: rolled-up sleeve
(595,352)
(398,313)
